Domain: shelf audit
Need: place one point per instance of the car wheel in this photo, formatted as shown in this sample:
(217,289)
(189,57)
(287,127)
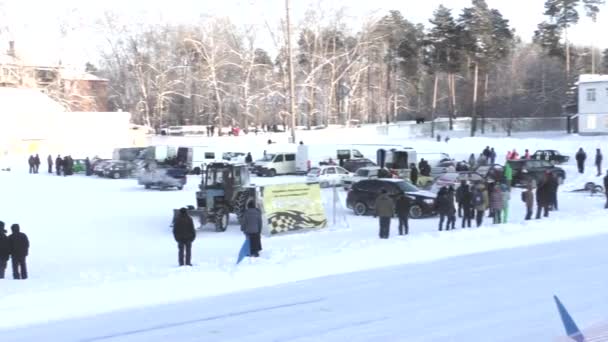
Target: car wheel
(180,187)
(116,175)
(589,186)
(272,173)
(148,186)
(360,209)
(197,171)
(416,211)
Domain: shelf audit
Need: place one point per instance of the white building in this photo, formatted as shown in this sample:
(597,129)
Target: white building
(593,104)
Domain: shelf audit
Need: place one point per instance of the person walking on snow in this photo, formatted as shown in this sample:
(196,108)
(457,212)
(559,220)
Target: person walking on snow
(403,206)
(598,161)
(542,199)
(385,209)
(4,250)
(252,227)
(528,198)
(30,162)
(58,164)
(19,246)
(414,174)
(552,187)
(581,156)
(184,234)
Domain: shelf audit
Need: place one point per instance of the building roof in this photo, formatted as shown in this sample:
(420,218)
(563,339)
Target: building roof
(592,78)
(69,74)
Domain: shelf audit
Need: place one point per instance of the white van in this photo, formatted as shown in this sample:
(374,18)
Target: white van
(309,156)
(280,163)
(196,158)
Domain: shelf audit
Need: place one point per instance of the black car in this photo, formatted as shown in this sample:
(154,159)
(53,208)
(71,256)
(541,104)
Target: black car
(525,171)
(352,165)
(119,169)
(552,156)
(363,194)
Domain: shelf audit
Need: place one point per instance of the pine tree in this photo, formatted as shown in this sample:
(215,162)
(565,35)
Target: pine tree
(547,36)
(605,61)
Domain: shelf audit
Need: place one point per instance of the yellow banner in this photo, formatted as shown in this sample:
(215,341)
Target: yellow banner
(292,207)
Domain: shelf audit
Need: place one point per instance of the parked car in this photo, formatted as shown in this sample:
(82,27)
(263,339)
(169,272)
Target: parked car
(99,165)
(525,171)
(369,172)
(363,194)
(352,165)
(494,172)
(327,176)
(441,167)
(454,179)
(552,156)
(119,169)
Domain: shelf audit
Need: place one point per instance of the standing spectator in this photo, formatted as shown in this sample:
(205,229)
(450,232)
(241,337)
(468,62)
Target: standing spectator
(480,202)
(467,206)
(87,167)
(506,198)
(606,189)
(184,234)
(482,160)
(19,246)
(496,202)
(36,163)
(581,156)
(508,174)
(472,161)
(252,227)
(552,187)
(514,154)
(528,198)
(452,209)
(248,158)
(385,209)
(486,152)
(4,250)
(403,206)
(414,174)
(443,206)
(527,154)
(58,165)
(598,161)
(492,156)
(66,166)
(49,161)
(30,162)
(460,196)
(542,199)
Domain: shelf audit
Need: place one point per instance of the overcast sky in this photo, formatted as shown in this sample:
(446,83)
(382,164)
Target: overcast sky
(34,23)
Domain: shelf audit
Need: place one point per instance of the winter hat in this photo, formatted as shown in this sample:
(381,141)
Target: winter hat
(183,210)
(2,227)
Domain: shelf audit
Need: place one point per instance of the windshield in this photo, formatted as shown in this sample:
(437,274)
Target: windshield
(362,173)
(267,158)
(314,172)
(407,187)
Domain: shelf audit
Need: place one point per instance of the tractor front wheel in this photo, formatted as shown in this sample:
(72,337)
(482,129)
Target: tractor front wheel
(221,221)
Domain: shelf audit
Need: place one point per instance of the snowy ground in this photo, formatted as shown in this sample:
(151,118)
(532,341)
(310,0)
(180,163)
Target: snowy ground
(101,245)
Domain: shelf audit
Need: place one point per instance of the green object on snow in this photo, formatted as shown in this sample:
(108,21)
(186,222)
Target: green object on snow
(508,172)
(505,215)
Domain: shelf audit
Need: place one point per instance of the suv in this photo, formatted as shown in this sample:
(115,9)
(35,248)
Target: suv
(525,171)
(363,194)
(550,155)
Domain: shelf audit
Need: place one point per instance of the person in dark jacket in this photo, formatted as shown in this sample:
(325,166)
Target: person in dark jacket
(184,234)
(414,174)
(467,206)
(543,197)
(598,161)
(58,164)
(36,163)
(606,189)
(49,161)
(459,194)
(88,167)
(492,156)
(4,250)
(30,162)
(581,156)
(452,209)
(248,158)
(66,166)
(385,209)
(19,246)
(252,227)
(443,206)
(403,206)
(496,203)
(552,187)
(528,198)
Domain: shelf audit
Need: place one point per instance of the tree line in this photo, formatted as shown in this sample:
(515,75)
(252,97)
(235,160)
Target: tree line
(467,64)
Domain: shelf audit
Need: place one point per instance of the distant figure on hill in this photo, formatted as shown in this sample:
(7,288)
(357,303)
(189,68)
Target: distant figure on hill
(581,156)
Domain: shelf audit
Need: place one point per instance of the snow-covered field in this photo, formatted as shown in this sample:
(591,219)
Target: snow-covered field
(101,245)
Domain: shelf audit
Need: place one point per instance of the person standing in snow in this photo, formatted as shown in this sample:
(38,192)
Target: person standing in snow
(496,202)
(36,163)
(467,206)
(581,156)
(414,174)
(452,209)
(385,209)
(248,159)
(472,161)
(598,161)
(403,206)
(459,196)
(4,250)
(184,234)
(30,162)
(492,156)
(19,246)
(87,167)
(542,199)
(58,165)
(443,207)
(606,189)
(480,202)
(528,198)
(527,154)
(506,197)
(552,187)
(508,174)
(49,161)
(252,227)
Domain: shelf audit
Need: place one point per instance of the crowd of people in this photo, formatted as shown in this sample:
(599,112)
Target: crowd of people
(62,166)
(14,247)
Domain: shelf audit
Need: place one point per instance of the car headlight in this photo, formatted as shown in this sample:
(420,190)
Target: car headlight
(429,201)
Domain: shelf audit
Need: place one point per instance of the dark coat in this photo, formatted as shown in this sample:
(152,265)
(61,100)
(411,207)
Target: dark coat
(543,194)
(58,161)
(580,157)
(385,207)
(414,175)
(19,244)
(598,159)
(443,204)
(248,158)
(183,228)
(403,206)
(467,197)
(4,246)
(49,160)
(252,221)
(606,183)
(460,193)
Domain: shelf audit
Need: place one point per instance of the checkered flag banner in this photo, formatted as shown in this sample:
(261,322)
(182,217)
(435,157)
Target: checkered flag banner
(290,220)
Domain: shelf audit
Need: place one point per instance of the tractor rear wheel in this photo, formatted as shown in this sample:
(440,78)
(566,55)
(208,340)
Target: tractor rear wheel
(242,202)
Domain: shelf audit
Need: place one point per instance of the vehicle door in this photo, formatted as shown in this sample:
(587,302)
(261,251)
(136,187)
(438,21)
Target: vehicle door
(278,164)
(290,163)
(369,191)
(342,173)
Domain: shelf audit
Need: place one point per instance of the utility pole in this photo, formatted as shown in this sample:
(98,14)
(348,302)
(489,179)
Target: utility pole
(292,99)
